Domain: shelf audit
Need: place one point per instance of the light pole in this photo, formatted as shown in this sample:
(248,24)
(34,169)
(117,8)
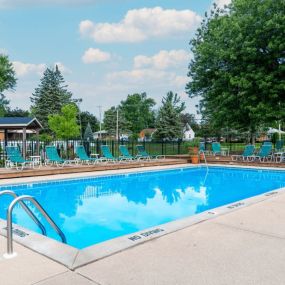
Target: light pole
(78,102)
(100,120)
(117,125)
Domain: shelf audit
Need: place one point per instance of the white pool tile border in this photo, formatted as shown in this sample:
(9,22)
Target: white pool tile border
(74,258)
(23,180)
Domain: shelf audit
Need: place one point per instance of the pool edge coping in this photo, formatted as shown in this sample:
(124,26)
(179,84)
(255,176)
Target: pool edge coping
(74,258)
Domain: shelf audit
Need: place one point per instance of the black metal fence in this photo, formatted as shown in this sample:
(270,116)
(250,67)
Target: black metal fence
(66,148)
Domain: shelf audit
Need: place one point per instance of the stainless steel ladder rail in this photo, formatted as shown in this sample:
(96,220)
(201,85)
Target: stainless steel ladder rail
(206,163)
(43,212)
(27,210)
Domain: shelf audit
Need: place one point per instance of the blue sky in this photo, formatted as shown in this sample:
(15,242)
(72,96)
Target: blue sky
(105,49)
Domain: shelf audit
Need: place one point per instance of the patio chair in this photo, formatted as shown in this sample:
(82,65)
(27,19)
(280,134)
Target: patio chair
(108,156)
(16,159)
(202,147)
(125,153)
(247,153)
(83,157)
(218,150)
(265,153)
(142,153)
(279,146)
(53,157)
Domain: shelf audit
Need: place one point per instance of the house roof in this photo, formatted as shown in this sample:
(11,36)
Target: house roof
(187,127)
(19,123)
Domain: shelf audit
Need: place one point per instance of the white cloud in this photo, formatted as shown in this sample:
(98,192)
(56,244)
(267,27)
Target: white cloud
(23,69)
(163,59)
(141,24)
(95,55)
(147,77)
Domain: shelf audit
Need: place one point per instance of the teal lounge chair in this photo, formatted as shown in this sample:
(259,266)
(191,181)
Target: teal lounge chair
(125,153)
(248,152)
(216,148)
(279,146)
(53,157)
(108,156)
(83,157)
(263,154)
(144,155)
(15,158)
(202,147)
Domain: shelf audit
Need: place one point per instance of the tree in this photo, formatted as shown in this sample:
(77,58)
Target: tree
(17,113)
(238,66)
(110,121)
(88,134)
(169,125)
(138,112)
(4,105)
(7,82)
(50,96)
(65,125)
(88,118)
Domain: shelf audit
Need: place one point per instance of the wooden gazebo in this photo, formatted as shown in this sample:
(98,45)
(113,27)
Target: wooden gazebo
(19,123)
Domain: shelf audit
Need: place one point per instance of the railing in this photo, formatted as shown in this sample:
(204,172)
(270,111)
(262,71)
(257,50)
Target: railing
(66,148)
(26,209)
(19,199)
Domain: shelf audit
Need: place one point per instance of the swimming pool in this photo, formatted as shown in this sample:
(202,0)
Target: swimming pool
(96,209)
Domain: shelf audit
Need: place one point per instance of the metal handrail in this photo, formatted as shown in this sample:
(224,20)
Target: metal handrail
(40,208)
(27,210)
(206,163)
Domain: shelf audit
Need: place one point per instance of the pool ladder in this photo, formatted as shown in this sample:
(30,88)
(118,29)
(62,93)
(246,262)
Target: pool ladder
(20,199)
(206,163)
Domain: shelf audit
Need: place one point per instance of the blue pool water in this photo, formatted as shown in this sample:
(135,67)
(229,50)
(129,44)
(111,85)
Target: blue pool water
(93,210)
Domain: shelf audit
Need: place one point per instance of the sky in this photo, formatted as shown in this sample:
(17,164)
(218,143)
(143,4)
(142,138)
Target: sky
(106,49)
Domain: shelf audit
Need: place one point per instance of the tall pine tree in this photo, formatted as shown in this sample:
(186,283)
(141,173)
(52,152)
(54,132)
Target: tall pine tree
(50,96)
(88,134)
(169,125)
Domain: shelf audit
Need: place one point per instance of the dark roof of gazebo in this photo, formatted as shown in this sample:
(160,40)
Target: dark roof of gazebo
(19,123)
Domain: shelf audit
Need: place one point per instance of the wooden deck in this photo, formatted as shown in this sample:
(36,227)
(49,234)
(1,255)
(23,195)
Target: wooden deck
(52,170)
(227,160)
(170,160)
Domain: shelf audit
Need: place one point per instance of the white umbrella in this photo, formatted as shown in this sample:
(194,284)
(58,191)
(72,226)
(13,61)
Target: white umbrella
(273,131)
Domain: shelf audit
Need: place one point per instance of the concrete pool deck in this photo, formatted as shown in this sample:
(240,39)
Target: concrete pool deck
(246,246)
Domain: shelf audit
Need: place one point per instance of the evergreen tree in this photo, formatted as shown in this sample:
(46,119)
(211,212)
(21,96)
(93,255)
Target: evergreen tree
(169,125)
(7,82)
(88,118)
(4,105)
(88,134)
(50,96)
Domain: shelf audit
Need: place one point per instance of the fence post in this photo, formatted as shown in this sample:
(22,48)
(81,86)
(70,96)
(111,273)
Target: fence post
(112,144)
(178,147)
(162,148)
(133,151)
